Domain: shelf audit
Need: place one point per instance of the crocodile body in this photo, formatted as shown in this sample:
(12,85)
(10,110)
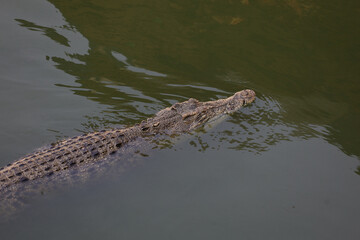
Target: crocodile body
(88,148)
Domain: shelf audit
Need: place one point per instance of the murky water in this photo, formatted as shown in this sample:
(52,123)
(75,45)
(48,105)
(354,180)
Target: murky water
(284,167)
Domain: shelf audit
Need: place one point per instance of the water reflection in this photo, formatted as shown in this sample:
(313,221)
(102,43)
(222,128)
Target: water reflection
(129,67)
(131,59)
(49,32)
(256,128)
(143,57)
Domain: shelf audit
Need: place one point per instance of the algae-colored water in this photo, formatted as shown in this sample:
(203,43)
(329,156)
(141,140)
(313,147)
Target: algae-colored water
(284,167)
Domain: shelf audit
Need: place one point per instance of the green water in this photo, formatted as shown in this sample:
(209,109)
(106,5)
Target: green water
(285,167)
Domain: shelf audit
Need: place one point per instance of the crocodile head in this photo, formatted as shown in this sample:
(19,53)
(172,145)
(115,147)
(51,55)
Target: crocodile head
(188,115)
(211,110)
(238,100)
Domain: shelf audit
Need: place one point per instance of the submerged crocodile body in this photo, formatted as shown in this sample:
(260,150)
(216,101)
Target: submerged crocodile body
(88,148)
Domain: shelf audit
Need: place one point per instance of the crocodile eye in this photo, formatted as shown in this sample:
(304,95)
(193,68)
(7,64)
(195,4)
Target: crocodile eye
(187,117)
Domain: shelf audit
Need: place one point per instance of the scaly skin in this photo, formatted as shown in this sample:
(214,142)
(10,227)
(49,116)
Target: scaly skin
(80,150)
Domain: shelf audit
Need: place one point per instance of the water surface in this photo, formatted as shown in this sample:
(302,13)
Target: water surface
(284,167)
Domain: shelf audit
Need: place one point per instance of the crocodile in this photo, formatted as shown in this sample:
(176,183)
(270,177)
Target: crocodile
(88,148)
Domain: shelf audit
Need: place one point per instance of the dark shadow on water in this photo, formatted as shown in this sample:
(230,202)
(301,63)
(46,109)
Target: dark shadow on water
(47,31)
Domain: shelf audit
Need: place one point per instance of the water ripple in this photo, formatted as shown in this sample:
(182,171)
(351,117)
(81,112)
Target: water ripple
(255,128)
